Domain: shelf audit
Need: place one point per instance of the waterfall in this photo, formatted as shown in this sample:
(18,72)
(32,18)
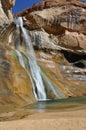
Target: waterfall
(51,87)
(10,38)
(20,59)
(40,82)
(34,68)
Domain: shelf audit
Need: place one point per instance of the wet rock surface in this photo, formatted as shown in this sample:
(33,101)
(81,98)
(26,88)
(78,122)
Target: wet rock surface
(15,85)
(70,79)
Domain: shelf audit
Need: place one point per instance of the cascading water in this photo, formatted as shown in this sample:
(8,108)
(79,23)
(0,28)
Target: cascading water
(39,80)
(34,68)
(20,59)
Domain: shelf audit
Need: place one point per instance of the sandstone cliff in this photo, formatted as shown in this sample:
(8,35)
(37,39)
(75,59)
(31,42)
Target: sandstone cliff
(55,17)
(60,25)
(5,13)
(57,31)
(15,84)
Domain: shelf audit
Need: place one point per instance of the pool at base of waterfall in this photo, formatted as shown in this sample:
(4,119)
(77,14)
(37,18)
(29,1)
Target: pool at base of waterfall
(59,104)
(43,107)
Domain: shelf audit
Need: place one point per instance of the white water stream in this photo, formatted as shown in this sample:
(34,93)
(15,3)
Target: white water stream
(41,84)
(34,68)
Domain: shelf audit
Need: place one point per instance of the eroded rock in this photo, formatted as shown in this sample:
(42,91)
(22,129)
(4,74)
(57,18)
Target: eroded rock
(5,11)
(15,84)
(73,40)
(55,16)
(42,40)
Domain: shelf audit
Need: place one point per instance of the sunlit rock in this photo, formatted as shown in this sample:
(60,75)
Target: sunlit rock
(42,40)
(73,40)
(5,12)
(56,16)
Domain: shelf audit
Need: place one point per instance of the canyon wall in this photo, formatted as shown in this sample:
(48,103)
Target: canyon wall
(57,30)
(6,12)
(64,20)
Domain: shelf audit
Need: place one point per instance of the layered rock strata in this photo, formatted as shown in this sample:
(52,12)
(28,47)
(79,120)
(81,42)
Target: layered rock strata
(55,17)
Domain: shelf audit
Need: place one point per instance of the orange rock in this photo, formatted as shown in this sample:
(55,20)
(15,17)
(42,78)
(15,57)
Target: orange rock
(73,40)
(15,84)
(56,16)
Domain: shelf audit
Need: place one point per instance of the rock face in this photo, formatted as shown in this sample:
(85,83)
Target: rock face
(53,14)
(68,78)
(5,11)
(42,40)
(15,84)
(73,40)
(7,6)
(56,16)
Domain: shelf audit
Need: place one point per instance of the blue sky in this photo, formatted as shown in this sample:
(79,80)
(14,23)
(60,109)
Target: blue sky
(20,5)
(23,4)
(83,0)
